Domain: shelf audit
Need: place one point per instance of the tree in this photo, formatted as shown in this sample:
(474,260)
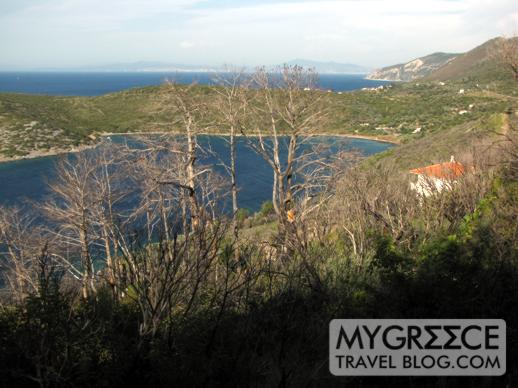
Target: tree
(187,109)
(72,211)
(22,242)
(288,105)
(174,264)
(231,104)
(110,182)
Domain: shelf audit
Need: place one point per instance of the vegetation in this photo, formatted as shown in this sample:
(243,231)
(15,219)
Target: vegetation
(133,275)
(372,250)
(29,123)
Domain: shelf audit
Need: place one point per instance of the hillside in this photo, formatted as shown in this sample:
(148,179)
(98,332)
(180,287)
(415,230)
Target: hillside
(480,64)
(415,69)
(31,125)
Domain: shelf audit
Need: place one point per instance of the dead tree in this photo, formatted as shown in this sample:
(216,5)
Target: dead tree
(288,111)
(188,112)
(159,172)
(71,211)
(111,186)
(172,267)
(20,245)
(230,104)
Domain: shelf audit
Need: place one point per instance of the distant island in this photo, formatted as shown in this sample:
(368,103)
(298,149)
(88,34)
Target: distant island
(166,67)
(331,67)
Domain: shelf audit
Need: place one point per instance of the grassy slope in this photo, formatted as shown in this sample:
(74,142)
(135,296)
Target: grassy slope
(479,66)
(461,141)
(30,122)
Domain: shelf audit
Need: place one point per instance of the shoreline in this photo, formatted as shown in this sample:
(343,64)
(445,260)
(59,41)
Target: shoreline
(384,139)
(45,154)
(61,151)
(384,80)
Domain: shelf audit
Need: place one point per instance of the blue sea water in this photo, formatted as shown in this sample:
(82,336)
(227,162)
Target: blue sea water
(23,181)
(95,84)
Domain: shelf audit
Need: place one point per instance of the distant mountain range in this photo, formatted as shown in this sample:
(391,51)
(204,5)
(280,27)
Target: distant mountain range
(148,66)
(437,66)
(331,67)
(415,69)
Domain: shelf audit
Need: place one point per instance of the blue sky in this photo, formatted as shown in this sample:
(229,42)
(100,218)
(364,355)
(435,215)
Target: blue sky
(77,33)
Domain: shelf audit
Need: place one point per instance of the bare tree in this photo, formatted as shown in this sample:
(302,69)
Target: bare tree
(20,245)
(111,186)
(174,265)
(230,104)
(289,106)
(71,210)
(160,173)
(188,113)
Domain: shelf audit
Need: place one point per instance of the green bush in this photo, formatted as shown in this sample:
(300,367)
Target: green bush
(266,209)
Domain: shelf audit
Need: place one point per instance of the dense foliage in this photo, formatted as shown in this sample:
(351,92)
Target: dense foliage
(277,339)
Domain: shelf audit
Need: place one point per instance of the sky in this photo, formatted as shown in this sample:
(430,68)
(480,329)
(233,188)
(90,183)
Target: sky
(80,33)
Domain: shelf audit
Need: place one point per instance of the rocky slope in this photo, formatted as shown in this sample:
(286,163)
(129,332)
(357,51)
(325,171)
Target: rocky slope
(415,69)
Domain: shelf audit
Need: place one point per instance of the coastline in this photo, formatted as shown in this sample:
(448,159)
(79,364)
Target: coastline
(61,151)
(43,154)
(383,79)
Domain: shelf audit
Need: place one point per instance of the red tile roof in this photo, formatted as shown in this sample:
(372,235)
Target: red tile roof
(449,170)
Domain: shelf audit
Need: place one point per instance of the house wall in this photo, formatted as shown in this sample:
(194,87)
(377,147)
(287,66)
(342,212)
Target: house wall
(427,186)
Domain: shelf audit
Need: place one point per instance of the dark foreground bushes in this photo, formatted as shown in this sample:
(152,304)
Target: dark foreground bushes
(55,340)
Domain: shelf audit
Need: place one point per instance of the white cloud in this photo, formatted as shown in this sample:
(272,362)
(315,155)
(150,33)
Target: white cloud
(186,44)
(373,32)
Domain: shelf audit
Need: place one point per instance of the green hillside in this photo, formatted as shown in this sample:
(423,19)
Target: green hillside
(480,65)
(32,124)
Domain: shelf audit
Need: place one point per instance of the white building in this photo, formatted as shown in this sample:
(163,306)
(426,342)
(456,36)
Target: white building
(436,177)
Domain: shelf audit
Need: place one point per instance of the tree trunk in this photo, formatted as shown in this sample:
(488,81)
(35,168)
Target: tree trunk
(88,286)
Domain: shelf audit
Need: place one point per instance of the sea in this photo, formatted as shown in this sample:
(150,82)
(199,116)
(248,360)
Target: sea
(26,181)
(96,84)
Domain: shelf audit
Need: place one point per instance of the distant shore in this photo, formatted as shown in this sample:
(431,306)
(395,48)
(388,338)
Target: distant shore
(43,154)
(383,138)
(60,151)
(382,79)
